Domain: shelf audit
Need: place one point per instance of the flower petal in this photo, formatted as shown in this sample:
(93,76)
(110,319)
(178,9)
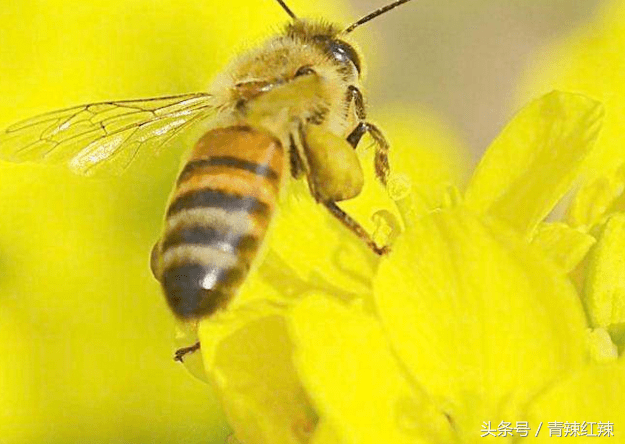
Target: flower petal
(478,317)
(325,434)
(354,380)
(565,245)
(247,354)
(604,289)
(316,249)
(597,199)
(593,395)
(534,161)
(600,346)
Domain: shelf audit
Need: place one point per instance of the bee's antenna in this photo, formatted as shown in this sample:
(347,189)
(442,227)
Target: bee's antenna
(373,15)
(287,9)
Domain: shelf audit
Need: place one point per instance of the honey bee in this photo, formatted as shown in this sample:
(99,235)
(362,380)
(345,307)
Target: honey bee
(292,106)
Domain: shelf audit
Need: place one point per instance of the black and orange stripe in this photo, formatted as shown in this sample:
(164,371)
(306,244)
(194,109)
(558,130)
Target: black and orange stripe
(217,218)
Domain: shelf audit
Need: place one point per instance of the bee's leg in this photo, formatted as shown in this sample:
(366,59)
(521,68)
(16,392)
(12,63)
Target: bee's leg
(297,166)
(182,352)
(381,152)
(355,227)
(329,202)
(381,147)
(354,95)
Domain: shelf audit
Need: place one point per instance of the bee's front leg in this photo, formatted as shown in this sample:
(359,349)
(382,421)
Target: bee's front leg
(382,167)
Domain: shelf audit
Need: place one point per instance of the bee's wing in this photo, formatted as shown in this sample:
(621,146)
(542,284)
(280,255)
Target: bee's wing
(104,136)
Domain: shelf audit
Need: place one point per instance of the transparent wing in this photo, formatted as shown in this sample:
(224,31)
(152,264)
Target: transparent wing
(104,136)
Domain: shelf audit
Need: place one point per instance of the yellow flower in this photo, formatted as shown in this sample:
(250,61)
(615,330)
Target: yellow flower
(473,319)
(591,61)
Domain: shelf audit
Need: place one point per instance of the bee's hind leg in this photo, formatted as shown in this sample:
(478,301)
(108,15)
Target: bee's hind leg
(182,352)
(355,227)
(331,180)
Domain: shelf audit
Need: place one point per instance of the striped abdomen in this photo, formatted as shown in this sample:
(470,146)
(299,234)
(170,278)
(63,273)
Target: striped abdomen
(217,218)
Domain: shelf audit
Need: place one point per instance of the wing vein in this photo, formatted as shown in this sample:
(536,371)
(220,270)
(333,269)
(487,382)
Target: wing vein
(104,135)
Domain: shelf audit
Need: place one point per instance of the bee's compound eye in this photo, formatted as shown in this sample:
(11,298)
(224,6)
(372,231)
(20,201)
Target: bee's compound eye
(304,71)
(345,53)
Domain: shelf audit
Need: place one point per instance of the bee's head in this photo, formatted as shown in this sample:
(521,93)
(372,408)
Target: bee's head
(327,38)
(330,39)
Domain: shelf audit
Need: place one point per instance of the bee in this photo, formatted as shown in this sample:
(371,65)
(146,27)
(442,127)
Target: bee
(293,106)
